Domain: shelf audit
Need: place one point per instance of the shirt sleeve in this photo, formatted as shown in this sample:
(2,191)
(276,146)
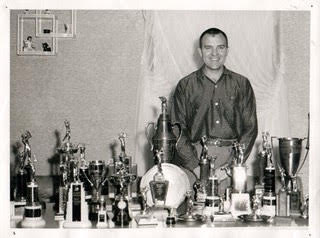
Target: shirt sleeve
(186,152)
(248,113)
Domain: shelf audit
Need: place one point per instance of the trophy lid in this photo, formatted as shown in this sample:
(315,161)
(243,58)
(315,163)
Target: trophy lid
(178,184)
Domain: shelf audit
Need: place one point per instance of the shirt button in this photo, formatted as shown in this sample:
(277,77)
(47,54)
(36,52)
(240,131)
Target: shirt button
(216,86)
(217,121)
(216,103)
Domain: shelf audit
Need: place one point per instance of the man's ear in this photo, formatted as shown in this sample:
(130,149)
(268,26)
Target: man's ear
(200,52)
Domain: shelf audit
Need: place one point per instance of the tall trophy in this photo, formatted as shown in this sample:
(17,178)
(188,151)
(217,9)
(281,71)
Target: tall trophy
(269,195)
(163,137)
(77,208)
(204,164)
(289,196)
(33,211)
(123,161)
(66,152)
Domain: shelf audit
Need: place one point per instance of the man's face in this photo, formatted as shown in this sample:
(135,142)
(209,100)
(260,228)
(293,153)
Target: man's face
(213,51)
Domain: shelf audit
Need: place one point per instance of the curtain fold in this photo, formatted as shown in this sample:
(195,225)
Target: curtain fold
(170,53)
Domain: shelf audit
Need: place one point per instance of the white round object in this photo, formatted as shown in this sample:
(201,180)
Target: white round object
(33,222)
(178,184)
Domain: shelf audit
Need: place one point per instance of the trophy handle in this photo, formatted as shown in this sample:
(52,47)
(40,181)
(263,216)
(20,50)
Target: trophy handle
(147,132)
(180,131)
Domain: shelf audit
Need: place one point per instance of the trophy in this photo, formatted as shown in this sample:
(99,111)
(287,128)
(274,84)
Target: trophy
(120,207)
(77,207)
(204,163)
(159,185)
(33,210)
(23,173)
(84,171)
(212,200)
(289,196)
(163,137)
(66,170)
(97,178)
(240,199)
(268,196)
(102,214)
(124,161)
(144,218)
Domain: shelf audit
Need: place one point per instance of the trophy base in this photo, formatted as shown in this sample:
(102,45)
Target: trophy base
(283,204)
(59,217)
(77,224)
(33,222)
(144,220)
(102,225)
(295,202)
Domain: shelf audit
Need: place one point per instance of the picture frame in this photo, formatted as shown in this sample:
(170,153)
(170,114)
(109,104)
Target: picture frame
(65,25)
(28,44)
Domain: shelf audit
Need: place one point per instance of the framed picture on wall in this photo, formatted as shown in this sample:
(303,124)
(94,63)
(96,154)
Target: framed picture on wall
(65,23)
(27,41)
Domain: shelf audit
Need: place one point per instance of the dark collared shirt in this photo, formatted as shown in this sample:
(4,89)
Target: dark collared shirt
(225,109)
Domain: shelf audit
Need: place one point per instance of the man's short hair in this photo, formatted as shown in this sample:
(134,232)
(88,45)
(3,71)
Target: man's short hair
(213,32)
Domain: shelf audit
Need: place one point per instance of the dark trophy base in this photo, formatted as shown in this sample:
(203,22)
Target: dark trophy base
(295,203)
(170,221)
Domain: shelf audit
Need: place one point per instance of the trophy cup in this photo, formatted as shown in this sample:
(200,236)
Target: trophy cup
(289,196)
(33,210)
(97,178)
(163,137)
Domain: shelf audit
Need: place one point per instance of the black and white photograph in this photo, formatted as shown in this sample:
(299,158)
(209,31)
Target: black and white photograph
(160,120)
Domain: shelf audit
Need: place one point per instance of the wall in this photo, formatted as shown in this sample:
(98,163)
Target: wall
(93,83)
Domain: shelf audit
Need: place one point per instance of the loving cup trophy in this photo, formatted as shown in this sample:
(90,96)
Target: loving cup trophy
(289,164)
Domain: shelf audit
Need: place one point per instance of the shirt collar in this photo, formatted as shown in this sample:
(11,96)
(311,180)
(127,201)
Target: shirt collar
(201,75)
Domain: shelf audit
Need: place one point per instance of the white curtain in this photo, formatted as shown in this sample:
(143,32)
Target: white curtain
(170,53)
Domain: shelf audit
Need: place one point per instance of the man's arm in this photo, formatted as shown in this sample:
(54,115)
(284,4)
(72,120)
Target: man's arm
(187,155)
(249,130)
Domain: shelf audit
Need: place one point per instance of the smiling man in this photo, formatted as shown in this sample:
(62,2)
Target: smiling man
(213,102)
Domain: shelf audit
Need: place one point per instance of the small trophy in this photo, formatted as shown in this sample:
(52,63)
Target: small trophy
(102,214)
(145,218)
(159,185)
(120,207)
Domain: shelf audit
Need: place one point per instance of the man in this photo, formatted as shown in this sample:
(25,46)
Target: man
(213,102)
